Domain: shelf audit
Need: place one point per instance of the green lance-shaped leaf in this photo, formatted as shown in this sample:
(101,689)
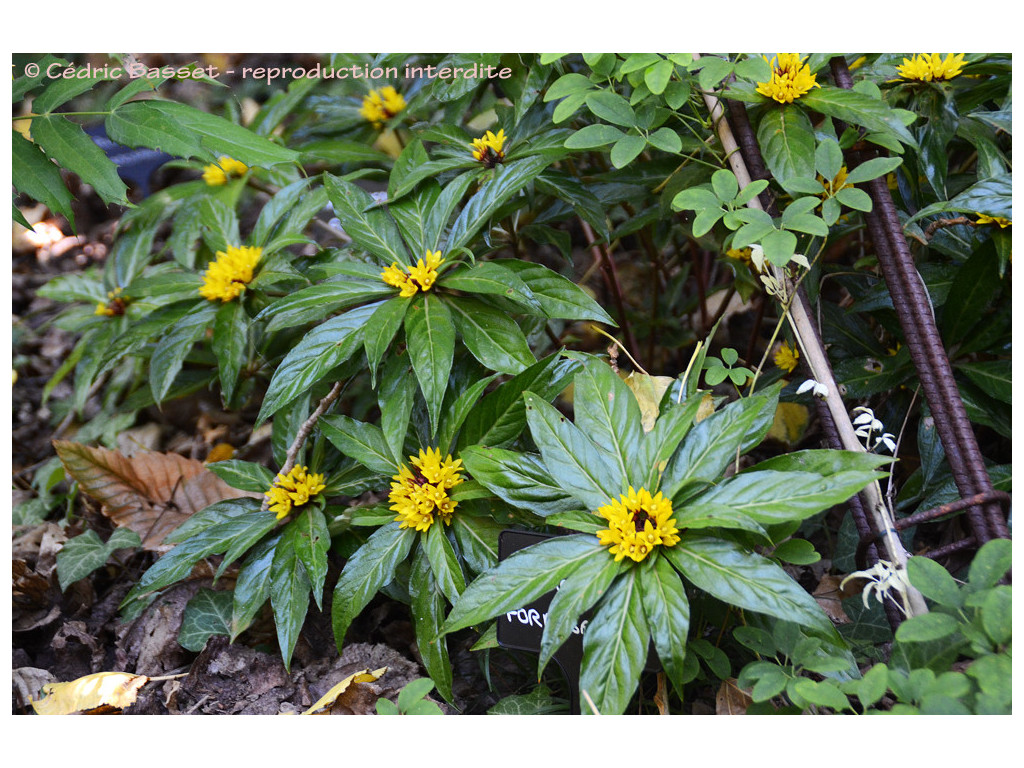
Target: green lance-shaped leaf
(658,445)
(396,397)
(207,614)
(478,540)
(230,345)
(668,616)
(156,124)
(443,562)
(521,479)
(34,175)
(441,213)
(69,145)
(576,594)
(615,647)
(822,462)
(608,413)
(771,497)
(312,540)
(456,413)
(381,328)
(83,554)
(244,475)
(744,579)
(559,297)
(500,417)
(370,568)
(497,188)
(362,441)
(710,446)
(858,109)
(491,278)
(586,471)
(316,302)
(289,591)
(428,606)
(370,228)
(430,334)
(252,585)
(323,348)
(492,337)
(520,579)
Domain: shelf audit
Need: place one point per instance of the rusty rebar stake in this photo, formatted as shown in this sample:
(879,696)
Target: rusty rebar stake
(913,310)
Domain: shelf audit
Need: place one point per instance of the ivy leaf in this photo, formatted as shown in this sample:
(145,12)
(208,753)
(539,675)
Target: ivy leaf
(207,614)
(83,554)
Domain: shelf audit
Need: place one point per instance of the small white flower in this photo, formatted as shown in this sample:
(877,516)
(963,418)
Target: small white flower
(815,388)
(888,441)
(882,578)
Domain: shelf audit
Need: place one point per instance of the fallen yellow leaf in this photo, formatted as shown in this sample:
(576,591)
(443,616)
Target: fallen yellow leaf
(648,391)
(790,423)
(113,689)
(359,677)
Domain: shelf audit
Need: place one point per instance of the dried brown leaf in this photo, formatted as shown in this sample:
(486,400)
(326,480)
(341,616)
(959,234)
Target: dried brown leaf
(150,493)
(112,689)
(328,700)
(731,700)
(830,598)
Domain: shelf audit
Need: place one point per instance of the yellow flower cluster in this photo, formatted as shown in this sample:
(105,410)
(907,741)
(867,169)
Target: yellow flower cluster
(927,68)
(790,80)
(217,175)
(228,275)
(637,523)
(743,254)
(489,149)
(833,186)
(380,106)
(787,357)
(1002,221)
(115,304)
(418,494)
(293,490)
(412,279)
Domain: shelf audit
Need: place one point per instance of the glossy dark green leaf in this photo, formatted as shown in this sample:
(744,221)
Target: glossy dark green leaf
(559,297)
(697,514)
(975,287)
(289,592)
(244,475)
(34,175)
(574,596)
(381,328)
(323,348)
(608,413)
(318,301)
(411,213)
(500,416)
(396,397)
(428,606)
(362,441)
(441,213)
(615,647)
(520,579)
(455,414)
(492,337)
(771,497)
(180,129)
(370,228)
(858,109)
(478,540)
(230,345)
(69,145)
(489,277)
(744,579)
(992,197)
(578,520)
(712,444)
(822,462)
(443,562)
(521,479)
(586,471)
(498,187)
(658,445)
(430,335)
(312,541)
(995,377)
(370,568)
(170,351)
(252,585)
(668,615)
